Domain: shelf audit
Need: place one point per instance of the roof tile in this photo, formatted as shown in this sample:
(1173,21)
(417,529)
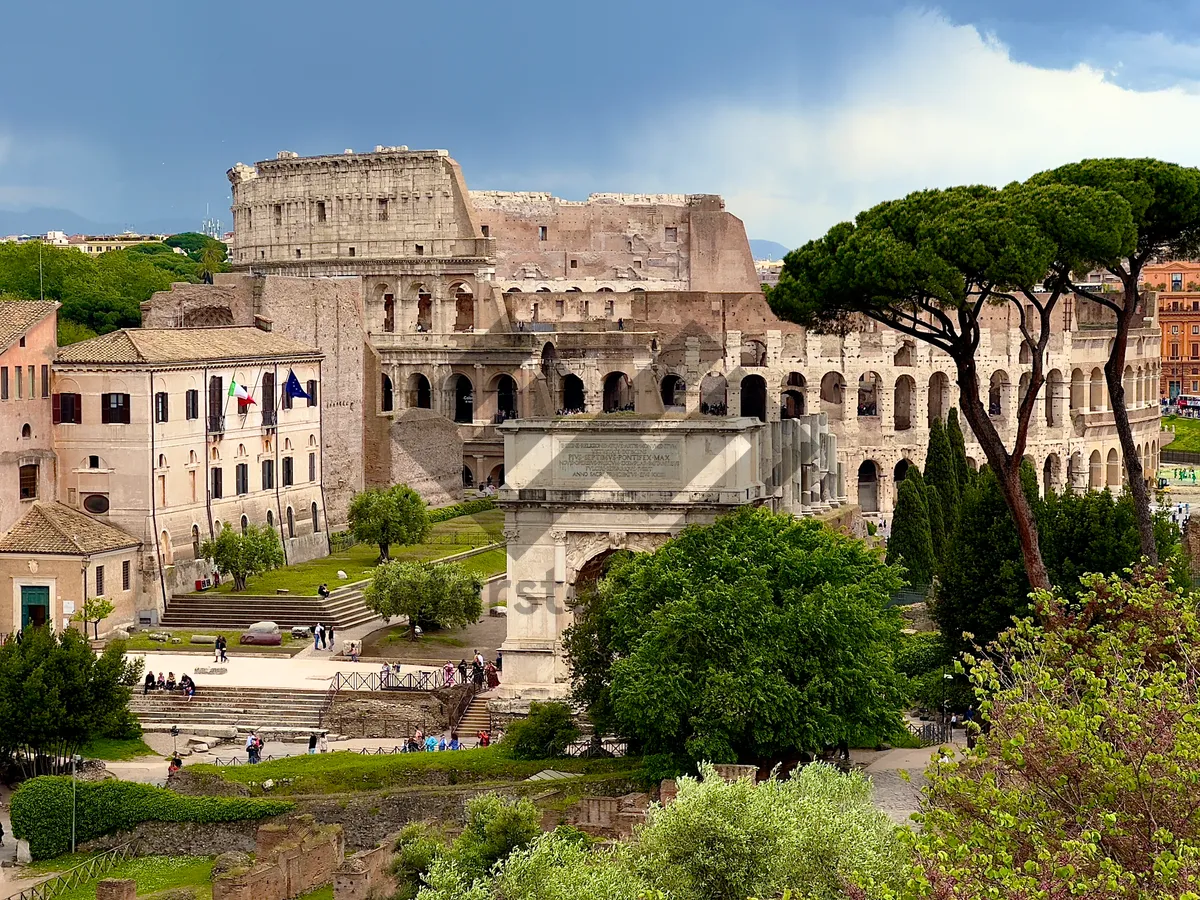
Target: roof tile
(55,528)
(183,345)
(18,316)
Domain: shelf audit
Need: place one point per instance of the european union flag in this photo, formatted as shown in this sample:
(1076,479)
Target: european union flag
(291,387)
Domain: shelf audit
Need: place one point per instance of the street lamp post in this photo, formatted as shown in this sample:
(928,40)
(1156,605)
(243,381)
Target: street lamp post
(946,676)
(75,760)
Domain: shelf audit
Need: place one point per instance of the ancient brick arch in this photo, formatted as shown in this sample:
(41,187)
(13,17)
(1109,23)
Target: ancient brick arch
(207,317)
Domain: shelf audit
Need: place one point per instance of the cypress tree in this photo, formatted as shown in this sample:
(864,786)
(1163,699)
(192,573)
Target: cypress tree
(958,448)
(939,530)
(911,543)
(941,473)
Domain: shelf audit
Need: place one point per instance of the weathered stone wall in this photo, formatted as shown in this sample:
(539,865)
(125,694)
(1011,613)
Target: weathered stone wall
(182,838)
(388,714)
(116,889)
(291,859)
(367,874)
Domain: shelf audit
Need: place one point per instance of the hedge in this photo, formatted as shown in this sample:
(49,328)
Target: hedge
(468,508)
(41,810)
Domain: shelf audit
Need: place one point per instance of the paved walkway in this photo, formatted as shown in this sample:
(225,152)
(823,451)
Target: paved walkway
(311,673)
(357,633)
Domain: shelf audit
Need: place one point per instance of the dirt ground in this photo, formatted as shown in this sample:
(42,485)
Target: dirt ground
(434,648)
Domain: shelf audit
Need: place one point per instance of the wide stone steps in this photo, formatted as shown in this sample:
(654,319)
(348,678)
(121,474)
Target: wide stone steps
(227,711)
(477,718)
(212,611)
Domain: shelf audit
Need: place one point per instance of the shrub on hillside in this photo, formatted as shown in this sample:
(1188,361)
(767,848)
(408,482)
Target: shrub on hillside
(41,810)
(545,734)
(468,508)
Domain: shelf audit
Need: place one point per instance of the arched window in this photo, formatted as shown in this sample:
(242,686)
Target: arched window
(868,486)
(195,542)
(714,399)
(754,352)
(1113,479)
(1054,398)
(245,523)
(315,519)
(939,397)
(461,394)
(833,395)
(754,397)
(468,477)
(618,393)
(386,400)
(1078,390)
(26,431)
(906,389)
(420,396)
(464,307)
(389,312)
(291,523)
(1095,472)
(1096,390)
(505,387)
(424,309)
(574,398)
(270,518)
(998,394)
(868,394)
(164,543)
(674,393)
(162,460)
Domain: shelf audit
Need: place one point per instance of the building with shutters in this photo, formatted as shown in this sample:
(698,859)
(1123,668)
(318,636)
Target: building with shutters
(153,439)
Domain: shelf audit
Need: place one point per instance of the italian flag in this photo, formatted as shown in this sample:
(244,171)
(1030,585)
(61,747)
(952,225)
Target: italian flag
(240,391)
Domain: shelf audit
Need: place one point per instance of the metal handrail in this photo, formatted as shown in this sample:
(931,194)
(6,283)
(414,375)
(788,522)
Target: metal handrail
(377,681)
(88,870)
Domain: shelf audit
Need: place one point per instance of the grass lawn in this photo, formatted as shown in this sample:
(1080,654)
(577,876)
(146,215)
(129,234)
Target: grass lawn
(304,578)
(113,749)
(140,642)
(152,874)
(321,893)
(488,563)
(1187,433)
(348,771)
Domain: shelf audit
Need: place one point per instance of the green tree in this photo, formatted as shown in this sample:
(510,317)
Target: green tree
(911,541)
(928,266)
(1083,784)
(958,449)
(194,244)
(95,610)
(56,695)
(495,827)
(444,594)
(735,641)
(72,332)
(1164,199)
(211,262)
(941,473)
(544,734)
(386,516)
(242,556)
(937,525)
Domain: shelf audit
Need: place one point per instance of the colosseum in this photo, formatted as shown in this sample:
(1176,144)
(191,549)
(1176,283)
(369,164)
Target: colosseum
(445,312)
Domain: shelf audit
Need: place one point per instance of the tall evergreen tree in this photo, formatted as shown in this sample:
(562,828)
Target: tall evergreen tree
(911,542)
(958,449)
(939,530)
(941,473)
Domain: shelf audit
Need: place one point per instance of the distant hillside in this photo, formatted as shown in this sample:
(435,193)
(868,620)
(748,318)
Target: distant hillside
(768,250)
(39,220)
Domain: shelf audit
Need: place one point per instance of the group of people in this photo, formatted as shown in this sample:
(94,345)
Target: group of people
(168,683)
(219,649)
(323,635)
(318,742)
(1187,476)
(423,743)
(481,671)
(571,411)
(254,746)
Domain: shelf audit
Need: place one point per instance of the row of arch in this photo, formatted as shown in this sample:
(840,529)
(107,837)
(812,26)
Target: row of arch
(168,551)
(420,318)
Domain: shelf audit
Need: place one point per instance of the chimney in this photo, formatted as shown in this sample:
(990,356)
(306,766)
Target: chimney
(262,323)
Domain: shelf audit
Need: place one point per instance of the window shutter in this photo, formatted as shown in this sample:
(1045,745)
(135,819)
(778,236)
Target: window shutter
(78,409)
(56,409)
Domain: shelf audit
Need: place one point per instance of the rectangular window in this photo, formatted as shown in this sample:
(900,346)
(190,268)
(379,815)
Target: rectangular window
(383,210)
(241,478)
(45,382)
(3,382)
(672,233)
(160,406)
(32,383)
(67,409)
(558,308)
(542,232)
(487,232)
(420,249)
(99,581)
(217,484)
(268,399)
(191,404)
(28,476)
(285,400)
(268,474)
(574,264)
(287,471)
(1195,350)
(1174,351)
(320,210)
(125,575)
(1196,329)
(297,253)
(1177,281)
(114,409)
(312,467)
(278,214)
(351,251)
(20,391)
(312,392)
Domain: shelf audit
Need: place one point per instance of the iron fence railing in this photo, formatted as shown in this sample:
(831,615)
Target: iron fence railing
(931,734)
(392,681)
(99,865)
(586,748)
(1181,457)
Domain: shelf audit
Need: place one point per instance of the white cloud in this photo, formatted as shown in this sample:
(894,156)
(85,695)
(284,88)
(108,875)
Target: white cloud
(929,105)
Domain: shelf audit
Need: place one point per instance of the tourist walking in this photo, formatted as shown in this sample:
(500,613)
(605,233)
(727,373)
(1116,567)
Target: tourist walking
(477,674)
(318,636)
(329,638)
(312,744)
(448,674)
(323,743)
(462,671)
(493,679)
(219,649)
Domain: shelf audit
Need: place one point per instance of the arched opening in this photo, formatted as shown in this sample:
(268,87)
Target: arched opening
(904,354)
(386,400)
(939,398)
(868,486)
(898,476)
(420,394)
(1129,386)
(462,397)
(1095,472)
(868,394)
(1113,473)
(162,458)
(1051,474)
(754,353)
(496,476)
(1096,390)
(1140,387)
(791,400)
(1025,355)
(998,394)
(1078,398)
(389,312)
(464,307)
(513,290)
(833,395)
(618,393)
(549,355)
(424,309)
(168,554)
(291,523)
(506,398)
(196,541)
(1023,387)
(1054,398)
(754,397)
(674,393)
(468,477)
(316,519)
(906,389)
(270,519)
(26,431)
(573,400)
(245,523)
(714,395)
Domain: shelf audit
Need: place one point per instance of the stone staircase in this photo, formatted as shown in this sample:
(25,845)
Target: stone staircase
(282,713)
(213,611)
(477,717)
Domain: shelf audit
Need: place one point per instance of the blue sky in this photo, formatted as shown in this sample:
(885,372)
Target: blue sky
(799,113)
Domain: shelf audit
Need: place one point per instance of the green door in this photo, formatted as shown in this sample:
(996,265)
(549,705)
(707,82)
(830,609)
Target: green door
(35,605)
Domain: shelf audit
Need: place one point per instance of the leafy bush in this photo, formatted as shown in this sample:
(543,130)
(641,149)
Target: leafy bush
(416,847)
(545,734)
(468,508)
(41,810)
